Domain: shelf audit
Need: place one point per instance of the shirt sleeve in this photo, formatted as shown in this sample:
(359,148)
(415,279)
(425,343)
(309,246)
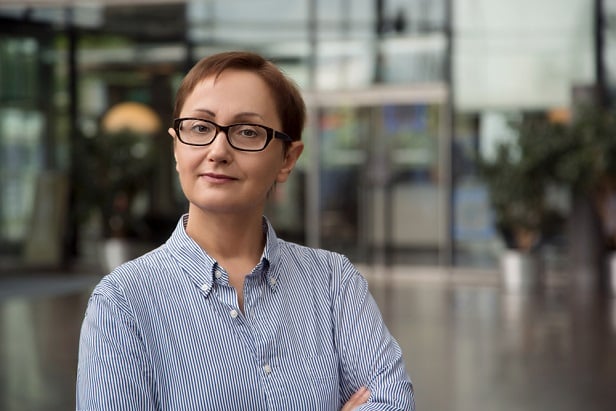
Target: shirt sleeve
(369,355)
(112,372)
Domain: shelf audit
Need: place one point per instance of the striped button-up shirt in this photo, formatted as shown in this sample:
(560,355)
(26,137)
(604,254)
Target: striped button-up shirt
(165,332)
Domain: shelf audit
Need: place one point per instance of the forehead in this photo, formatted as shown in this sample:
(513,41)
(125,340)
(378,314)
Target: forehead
(231,90)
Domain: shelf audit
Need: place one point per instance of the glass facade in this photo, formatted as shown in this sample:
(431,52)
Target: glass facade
(389,167)
(22,130)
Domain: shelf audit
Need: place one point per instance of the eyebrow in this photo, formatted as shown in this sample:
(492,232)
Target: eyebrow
(236,117)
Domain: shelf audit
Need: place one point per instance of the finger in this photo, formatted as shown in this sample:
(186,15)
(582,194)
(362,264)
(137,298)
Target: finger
(358,398)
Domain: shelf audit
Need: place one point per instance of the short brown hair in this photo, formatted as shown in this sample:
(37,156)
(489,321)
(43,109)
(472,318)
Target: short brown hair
(287,97)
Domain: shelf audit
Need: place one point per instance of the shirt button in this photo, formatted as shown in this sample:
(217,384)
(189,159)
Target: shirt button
(272,281)
(267,369)
(205,287)
(233,313)
(217,274)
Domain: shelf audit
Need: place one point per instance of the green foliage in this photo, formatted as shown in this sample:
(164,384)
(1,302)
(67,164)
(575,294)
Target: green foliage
(580,156)
(589,161)
(518,179)
(114,169)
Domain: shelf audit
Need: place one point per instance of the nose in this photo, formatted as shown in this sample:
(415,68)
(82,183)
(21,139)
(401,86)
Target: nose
(220,149)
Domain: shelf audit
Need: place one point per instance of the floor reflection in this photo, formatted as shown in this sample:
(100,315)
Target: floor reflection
(38,351)
(468,345)
(23,362)
(472,347)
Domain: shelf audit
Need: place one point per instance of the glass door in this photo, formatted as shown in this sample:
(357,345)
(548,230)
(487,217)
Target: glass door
(381,165)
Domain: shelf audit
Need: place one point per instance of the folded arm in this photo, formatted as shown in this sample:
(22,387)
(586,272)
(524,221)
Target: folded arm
(369,355)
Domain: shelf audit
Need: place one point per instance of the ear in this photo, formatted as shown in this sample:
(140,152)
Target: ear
(171,132)
(290,159)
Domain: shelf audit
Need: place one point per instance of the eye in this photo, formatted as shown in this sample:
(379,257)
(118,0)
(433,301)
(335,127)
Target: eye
(201,127)
(248,131)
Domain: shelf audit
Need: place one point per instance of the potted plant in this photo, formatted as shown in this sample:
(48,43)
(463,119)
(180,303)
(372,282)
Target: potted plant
(588,167)
(518,179)
(115,171)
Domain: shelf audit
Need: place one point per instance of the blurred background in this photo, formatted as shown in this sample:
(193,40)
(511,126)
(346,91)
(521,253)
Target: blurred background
(462,153)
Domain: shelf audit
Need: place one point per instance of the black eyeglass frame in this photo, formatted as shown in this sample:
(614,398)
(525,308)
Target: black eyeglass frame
(271,133)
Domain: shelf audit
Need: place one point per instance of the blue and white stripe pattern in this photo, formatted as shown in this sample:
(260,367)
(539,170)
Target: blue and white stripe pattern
(164,332)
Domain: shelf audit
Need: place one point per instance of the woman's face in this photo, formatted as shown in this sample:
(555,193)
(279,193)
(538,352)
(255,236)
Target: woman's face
(218,178)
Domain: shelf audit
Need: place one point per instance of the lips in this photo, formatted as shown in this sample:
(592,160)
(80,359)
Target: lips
(217,178)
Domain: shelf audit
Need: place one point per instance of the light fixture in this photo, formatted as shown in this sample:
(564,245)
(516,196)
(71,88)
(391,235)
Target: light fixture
(131,116)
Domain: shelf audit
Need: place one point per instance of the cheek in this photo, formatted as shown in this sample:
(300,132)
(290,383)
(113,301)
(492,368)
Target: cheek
(186,160)
(184,166)
(274,171)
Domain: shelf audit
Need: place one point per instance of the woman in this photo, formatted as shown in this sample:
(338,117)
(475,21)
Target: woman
(224,315)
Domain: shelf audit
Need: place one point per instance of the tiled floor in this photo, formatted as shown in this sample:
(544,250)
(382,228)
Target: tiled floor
(468,345)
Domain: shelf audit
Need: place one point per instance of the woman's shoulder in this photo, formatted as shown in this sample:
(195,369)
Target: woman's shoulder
(317,260)
(304,252)
(134,274)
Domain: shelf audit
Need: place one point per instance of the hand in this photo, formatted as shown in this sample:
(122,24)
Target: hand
(360,397)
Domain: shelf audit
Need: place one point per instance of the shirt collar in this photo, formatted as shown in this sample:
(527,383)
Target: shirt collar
(200,267)
(271,254)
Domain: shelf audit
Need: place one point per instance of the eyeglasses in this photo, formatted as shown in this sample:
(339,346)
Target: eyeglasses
(244,137)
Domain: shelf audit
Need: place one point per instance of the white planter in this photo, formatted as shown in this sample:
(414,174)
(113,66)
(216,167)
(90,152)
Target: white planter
(115,251)
(521,271)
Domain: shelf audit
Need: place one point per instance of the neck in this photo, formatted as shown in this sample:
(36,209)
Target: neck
(228,238)
(235,242)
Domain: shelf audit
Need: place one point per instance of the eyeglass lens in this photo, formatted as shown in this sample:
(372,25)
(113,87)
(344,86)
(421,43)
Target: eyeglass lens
(241,136)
